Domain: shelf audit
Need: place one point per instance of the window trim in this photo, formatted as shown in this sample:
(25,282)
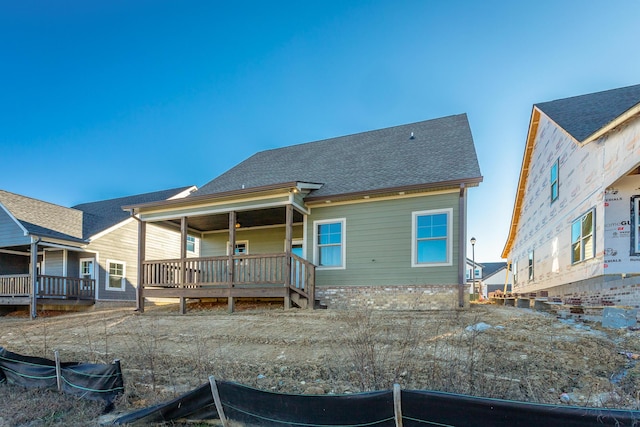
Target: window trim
(239,242)
(296,242)
(107,284)
(582,238)
(93,271)
(531,265)
(555,183)
(191,240)
(343,244)
(449,238)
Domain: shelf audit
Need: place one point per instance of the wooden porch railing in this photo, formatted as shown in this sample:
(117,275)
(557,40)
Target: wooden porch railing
(15,285)
(48,286)
(248,270)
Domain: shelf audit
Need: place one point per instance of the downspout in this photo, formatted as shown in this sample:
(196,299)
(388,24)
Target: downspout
(142,236)
(462,238)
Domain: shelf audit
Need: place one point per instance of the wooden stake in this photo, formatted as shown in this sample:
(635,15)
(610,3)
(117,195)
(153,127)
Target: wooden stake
(217,401)
(397,404)
(58,370)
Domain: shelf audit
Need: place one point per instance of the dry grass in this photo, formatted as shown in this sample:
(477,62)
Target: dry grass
(524,355)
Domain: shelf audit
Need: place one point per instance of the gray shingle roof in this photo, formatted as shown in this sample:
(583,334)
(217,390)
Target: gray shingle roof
(78,223)
(440,151)
(582,116)
(42,218)
(490,268)
(100,215)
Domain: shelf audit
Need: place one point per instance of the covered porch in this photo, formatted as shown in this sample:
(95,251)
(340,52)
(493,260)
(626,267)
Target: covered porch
(24,282)
(250,245)
(16,289)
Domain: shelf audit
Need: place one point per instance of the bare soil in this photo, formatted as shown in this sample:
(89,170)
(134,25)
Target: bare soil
(491,351)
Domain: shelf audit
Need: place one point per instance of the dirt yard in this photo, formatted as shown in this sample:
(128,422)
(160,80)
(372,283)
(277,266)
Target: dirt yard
(492,351)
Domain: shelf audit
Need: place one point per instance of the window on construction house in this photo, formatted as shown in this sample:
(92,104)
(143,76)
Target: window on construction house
(555,181)
(531,265)
(582,239)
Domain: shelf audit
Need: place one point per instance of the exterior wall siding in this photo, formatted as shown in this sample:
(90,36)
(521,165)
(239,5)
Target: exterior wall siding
(119,245)
(378,242)
(163,243)
(261,241)
(10,233)
(590,177)
(54,263)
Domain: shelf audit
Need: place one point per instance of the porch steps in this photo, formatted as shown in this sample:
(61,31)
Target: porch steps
(303,302)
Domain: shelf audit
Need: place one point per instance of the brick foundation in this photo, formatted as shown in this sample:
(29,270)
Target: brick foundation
(601,291)
(394,297)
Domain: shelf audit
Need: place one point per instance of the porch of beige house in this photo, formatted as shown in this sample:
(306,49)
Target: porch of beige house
(230,275)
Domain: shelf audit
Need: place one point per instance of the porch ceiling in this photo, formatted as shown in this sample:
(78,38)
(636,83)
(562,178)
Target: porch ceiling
(252,218)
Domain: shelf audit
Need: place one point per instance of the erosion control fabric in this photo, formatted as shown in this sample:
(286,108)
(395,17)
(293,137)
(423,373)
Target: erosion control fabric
(256,407)
(90,381)
(419,408)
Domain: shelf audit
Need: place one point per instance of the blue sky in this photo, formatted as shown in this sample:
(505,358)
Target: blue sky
(105,99)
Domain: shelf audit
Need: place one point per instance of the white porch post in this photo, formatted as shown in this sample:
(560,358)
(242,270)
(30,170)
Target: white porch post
(142,243)
(34,276)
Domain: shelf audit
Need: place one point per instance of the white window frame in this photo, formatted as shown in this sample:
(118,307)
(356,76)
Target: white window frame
(531,265)
(582,238)
(343,244)
(239,242)
(122,280)
(414,240)
(192,240)
(296,242)
(93,269)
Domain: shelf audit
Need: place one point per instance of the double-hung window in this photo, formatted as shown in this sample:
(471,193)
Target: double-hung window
(191,244)
(555,181)
(116,271)
(431,236)
(582,243)
(329,243)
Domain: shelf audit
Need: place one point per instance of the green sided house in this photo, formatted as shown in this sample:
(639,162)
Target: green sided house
(372,219)
(75,256)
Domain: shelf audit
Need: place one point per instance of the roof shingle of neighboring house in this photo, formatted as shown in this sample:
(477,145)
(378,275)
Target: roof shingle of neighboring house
(582,116)
(42,218)
(80,222)
(101,215)
(428,152)
(490,268)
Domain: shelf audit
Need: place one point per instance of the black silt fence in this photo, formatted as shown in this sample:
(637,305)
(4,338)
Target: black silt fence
(90,381)
(414,408)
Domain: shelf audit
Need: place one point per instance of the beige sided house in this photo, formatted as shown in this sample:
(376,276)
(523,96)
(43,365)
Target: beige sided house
(77,255)
(372,219)
(575,229)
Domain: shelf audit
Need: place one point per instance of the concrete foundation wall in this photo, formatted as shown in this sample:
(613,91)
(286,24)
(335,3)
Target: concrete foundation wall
(394,297)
